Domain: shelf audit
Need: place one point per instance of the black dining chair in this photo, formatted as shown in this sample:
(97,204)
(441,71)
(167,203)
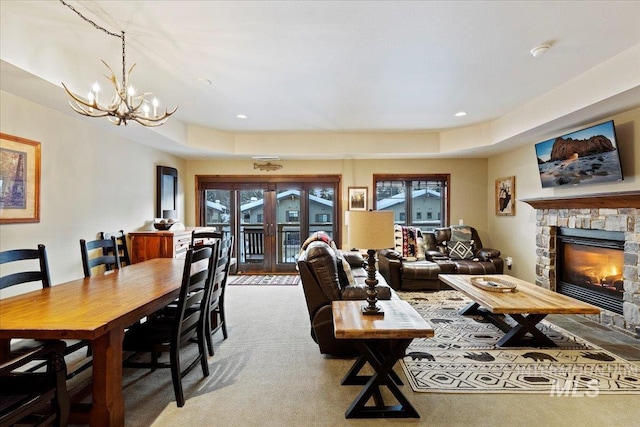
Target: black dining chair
(110,261)
(25,271)
(123,250)
(171,329)
(216,320)
(35,397)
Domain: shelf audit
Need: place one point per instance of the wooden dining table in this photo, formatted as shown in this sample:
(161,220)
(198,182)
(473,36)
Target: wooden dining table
(97,309)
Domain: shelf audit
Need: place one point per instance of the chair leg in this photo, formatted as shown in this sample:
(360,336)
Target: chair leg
(208,332)
(176,376)
(203,353)
(223,319)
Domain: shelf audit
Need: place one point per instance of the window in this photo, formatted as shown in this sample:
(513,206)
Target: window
(411,195)
(324,217)
(293,216)
(260,218)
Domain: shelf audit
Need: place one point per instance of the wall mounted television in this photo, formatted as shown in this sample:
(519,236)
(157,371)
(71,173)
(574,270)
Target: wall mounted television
(587,156)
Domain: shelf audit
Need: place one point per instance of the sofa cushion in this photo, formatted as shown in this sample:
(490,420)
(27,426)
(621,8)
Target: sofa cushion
(461,249)
(474,267)
(344,273)
(420,270)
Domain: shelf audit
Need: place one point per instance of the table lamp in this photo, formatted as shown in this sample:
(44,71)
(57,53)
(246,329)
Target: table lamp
(371,230)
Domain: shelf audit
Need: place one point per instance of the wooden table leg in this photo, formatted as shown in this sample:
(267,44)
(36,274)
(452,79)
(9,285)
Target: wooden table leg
(526,324)
(383,366)
(108,402)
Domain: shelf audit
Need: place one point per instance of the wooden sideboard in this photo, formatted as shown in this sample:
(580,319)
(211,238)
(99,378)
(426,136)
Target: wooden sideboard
(160,244)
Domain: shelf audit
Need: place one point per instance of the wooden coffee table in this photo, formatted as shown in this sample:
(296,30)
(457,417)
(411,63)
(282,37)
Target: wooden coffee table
(528,304)
(381,341)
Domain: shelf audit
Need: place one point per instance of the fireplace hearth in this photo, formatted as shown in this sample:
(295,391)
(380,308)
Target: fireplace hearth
(590,264)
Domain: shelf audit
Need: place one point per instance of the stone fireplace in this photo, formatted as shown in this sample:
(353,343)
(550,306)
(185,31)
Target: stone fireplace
(605,215)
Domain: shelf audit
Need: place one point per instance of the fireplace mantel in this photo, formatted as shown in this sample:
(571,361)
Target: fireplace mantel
(625,199)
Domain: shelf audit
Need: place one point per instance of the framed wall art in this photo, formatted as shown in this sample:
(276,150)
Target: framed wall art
(19,180)
(357,198)
(506,196)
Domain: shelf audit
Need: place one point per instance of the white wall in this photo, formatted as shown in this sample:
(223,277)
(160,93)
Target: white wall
(515,235)
(92,181)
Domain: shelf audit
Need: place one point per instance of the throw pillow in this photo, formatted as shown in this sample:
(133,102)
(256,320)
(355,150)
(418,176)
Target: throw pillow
(460,233)
(461,250)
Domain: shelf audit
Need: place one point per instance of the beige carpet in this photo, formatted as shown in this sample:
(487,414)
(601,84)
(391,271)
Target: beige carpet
(269,372)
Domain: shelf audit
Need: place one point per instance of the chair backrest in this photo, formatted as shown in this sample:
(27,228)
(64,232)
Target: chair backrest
(219,277)
(226,246)
(105,245)
(196,280)
(17,278)
(205,237)
(123,251)
(25,393)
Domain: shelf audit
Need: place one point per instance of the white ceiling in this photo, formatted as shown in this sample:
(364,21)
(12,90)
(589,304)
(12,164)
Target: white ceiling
(321,66)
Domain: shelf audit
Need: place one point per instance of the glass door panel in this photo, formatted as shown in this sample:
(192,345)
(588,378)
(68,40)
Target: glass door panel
(251,217)
(287,226)
(322,210)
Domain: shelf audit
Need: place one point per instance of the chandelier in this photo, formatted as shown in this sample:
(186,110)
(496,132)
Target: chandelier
(126,104)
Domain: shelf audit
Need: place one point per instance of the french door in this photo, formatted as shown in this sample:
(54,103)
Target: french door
(269,217)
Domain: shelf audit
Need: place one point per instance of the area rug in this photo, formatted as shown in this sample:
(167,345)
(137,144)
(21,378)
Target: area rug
(462,357)
(264,279)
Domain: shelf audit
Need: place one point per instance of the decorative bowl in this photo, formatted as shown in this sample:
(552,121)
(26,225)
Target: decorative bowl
(163,226)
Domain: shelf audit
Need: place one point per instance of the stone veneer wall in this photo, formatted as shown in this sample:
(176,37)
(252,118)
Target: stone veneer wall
(626,220)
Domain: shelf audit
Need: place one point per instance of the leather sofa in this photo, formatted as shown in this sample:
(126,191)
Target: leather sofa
(422,275)
(325,278)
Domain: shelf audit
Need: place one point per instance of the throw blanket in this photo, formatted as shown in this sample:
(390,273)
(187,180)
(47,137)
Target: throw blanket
(409,241)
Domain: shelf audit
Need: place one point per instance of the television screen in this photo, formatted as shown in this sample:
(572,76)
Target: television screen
(587,156)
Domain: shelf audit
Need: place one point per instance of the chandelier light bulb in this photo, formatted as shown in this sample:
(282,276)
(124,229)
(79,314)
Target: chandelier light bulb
(145,108)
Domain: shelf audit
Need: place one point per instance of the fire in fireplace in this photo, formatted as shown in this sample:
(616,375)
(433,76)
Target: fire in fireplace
(590,266)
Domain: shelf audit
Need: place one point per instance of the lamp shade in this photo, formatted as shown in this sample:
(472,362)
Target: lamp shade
(371,229)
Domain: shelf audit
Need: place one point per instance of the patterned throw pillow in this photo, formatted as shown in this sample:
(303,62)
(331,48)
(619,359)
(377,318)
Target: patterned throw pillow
(461,250)
(345,275)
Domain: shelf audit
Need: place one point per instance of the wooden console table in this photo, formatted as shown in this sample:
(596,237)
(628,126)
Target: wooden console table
(161,244)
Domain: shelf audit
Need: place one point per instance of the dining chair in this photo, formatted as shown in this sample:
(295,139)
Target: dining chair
(123,250)
(170,330)
(24,259)
(106,246)
(217,319)
(35,398)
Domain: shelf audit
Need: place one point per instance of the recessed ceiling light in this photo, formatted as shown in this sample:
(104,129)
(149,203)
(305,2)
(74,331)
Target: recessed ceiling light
(460,114)
(204,81)
(241,116)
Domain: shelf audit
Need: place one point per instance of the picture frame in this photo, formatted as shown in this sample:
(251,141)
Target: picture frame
(19,180)
(506,196)
(358,200)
